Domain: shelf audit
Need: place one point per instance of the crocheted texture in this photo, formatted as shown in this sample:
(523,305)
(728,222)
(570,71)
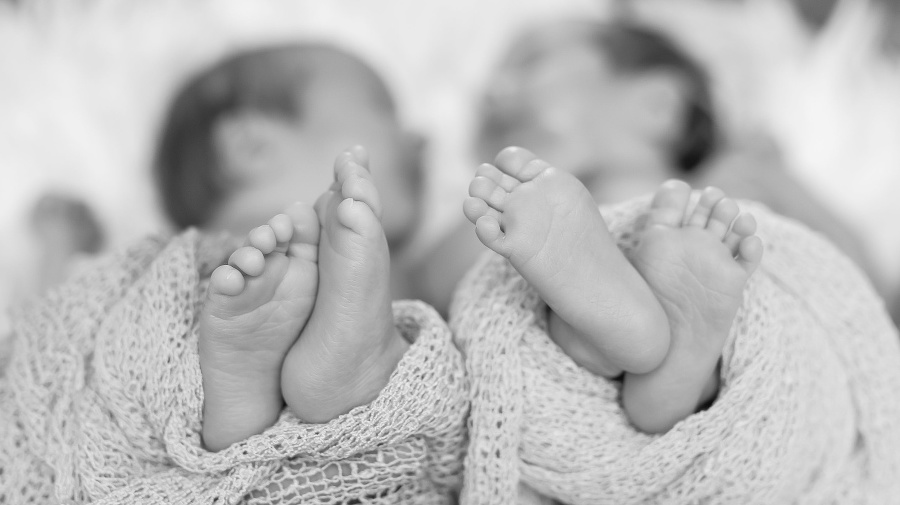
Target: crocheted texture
(807,411)
(102,403)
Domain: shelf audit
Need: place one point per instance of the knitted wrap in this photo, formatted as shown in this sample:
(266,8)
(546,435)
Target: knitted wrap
(808,411)
(102,399)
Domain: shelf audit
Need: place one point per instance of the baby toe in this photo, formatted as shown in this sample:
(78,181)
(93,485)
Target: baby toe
(248,260)
(360,155)
(283,227)
(357,216)
(744,226)
(263,238)
(513,160)
(669,204)
(722,216)
(533,169)
(750,252)
(493,173)
(488,230)
(323,203)
(355,154)
(489,191)
(708,199)
(362,189)
(304,223)
(348,164)
(226,280)
(474,208)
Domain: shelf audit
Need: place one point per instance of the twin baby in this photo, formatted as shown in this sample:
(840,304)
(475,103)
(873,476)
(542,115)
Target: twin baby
(301,314)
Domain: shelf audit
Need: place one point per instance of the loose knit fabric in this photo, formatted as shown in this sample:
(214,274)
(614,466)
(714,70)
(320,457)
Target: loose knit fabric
(808,411)
(102,400)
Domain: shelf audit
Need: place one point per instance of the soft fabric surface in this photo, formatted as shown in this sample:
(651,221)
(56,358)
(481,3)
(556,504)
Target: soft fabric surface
(808,411)
(102,400)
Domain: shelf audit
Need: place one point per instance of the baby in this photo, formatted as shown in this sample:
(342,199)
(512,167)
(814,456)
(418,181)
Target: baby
(256,131)
(301,314)
(660,316)
(241,140)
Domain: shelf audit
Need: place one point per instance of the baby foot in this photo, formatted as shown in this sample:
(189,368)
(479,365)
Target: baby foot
(545,222)
(697,264)
(256,307)
(350,346)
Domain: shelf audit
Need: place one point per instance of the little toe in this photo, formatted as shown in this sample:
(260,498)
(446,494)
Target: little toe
(722,216)
(708,199)
(744,226)
(669,204)
(226,280)
(489,191)
(487,228)
(493,173)
(750,251)
(520,163)
(263,238)
(362,188)
(248,260)
(357,216)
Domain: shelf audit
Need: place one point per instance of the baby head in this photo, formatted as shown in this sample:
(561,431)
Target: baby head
(260,130)
(600,100)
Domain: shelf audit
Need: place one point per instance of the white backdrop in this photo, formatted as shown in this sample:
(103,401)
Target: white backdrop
(83,84)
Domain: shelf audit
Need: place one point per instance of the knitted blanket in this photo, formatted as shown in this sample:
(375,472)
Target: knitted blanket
(102,399)
(808,411)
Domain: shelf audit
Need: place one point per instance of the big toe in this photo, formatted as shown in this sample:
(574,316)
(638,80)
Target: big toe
(358,217)
(357,183)
(520,163)
(303,239)
(669,204)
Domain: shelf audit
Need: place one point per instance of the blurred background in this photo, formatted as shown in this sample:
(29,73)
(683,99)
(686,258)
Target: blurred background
(805,97)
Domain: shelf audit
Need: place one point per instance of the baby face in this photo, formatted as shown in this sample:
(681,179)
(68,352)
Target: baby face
(563,99)
(297,154)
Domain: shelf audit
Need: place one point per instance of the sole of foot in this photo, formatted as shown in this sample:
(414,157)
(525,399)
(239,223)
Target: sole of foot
(256,307)
(545,222)
(697,262)
(350,346)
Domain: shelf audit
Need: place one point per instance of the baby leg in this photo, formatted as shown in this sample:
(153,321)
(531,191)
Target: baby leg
(545,222)
(697,264)
(350,347)
(256,307)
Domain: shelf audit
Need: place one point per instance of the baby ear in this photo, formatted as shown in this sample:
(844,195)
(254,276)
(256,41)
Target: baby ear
(244,144)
